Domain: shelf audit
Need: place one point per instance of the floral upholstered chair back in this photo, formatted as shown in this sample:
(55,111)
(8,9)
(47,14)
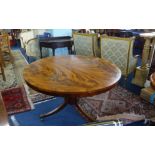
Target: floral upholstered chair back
(85,44)
(120,52)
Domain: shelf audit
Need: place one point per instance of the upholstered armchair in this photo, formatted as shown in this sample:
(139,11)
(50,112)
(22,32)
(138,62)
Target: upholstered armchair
(25,36)
(120,52)
(86,44)
(33,49)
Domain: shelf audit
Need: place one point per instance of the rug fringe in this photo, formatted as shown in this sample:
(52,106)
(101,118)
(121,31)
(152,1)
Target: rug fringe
(27,94)
(129,116)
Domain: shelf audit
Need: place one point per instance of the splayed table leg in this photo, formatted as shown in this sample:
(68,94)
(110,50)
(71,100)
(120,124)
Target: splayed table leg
(68,100)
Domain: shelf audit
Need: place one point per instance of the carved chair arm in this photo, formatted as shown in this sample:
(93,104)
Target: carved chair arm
(30,40)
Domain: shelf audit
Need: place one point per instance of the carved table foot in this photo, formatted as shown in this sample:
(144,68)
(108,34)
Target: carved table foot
(59,108)
(68,100)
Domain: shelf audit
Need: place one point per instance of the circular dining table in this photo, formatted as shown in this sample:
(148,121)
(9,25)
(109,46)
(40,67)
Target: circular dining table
(71,77)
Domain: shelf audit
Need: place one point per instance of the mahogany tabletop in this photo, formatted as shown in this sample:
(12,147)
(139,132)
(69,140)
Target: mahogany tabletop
(72,75)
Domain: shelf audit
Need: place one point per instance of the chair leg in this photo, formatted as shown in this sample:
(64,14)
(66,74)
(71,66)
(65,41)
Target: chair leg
(3,63)
(11,58)
(3,74)
(125,82)
(1,59)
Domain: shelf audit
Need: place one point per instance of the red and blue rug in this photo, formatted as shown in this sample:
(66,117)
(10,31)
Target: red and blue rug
(16,100)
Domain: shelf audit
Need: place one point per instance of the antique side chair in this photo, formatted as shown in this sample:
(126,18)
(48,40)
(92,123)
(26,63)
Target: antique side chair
(86,44)
(5,48)
(120,52)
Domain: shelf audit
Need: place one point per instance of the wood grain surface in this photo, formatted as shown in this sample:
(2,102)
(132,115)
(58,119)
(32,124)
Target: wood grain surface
(71,75)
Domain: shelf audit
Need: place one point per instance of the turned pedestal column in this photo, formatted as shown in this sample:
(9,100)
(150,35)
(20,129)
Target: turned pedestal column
(142,71)
(148,92)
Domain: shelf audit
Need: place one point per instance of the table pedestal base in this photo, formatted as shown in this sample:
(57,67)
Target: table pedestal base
(68,100)
(57,109)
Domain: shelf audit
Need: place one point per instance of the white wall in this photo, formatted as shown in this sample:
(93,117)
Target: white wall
(38,31)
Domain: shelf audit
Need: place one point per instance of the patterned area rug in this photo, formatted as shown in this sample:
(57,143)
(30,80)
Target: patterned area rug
(116,101)
(36,96)
(11,80)
(14,77)
(16,100)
